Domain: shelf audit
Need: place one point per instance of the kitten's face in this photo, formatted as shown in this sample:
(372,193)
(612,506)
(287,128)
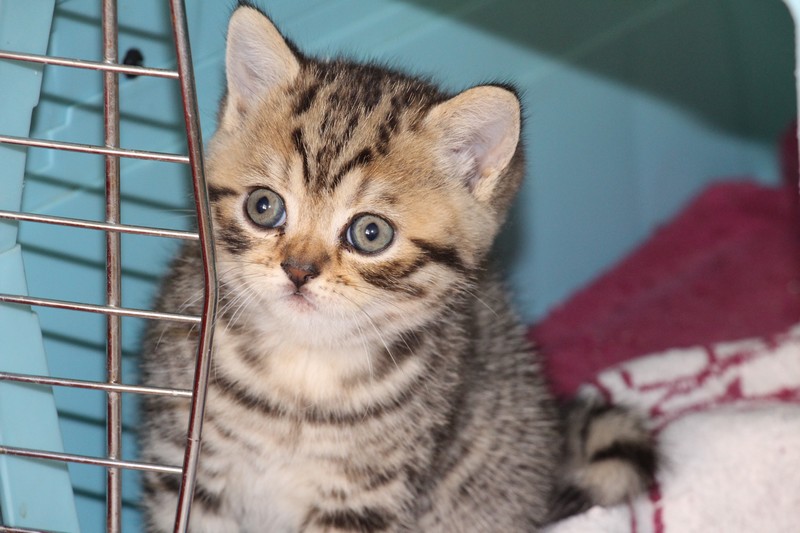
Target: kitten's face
(350,203)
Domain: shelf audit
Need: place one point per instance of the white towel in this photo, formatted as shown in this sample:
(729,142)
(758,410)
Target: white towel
(727,418)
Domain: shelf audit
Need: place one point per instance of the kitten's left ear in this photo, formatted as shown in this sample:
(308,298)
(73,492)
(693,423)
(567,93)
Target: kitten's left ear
(477,136)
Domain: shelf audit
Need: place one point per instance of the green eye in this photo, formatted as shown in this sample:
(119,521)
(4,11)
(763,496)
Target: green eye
(369,234)
(265,208)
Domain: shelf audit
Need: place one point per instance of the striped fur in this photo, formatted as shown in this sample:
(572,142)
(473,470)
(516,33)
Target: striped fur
(386,391)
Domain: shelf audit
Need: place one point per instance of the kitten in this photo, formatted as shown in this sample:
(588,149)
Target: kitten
(368,373)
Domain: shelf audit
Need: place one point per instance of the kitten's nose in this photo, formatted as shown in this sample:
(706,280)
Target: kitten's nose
(299,274)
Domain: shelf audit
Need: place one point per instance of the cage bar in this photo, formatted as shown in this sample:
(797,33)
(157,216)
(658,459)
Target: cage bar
(86,460)
(91,149)
(89,65)
(113,270)
(94,385)
(210,289)
(102,309)
(103,226)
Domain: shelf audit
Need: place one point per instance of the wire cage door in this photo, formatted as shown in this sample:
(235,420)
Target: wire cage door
(113,310)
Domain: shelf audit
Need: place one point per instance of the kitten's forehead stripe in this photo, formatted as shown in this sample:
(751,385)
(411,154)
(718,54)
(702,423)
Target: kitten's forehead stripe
(306,99)
(299,144)
(384,136)
(363,157)
(348,114)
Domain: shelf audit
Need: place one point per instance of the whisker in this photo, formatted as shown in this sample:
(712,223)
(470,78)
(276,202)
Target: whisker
(366,347)
(375,327)
(239,313)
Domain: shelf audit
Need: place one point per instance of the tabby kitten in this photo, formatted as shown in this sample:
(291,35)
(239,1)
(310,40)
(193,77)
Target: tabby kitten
(368,373)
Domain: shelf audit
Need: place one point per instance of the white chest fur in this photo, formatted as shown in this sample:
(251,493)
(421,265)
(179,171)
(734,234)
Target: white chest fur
(275,496)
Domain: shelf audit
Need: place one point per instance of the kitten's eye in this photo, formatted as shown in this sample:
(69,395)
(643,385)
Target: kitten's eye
(266,208)
(369,234)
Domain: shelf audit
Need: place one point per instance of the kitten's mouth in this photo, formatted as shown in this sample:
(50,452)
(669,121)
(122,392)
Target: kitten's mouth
(300,301)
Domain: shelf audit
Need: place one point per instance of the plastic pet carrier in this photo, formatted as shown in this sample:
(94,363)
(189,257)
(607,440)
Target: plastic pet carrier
(632,108)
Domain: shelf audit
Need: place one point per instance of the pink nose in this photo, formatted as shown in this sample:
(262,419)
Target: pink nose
(299,274)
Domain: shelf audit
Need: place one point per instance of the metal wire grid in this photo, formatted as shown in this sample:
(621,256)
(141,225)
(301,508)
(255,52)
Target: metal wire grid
(113,227)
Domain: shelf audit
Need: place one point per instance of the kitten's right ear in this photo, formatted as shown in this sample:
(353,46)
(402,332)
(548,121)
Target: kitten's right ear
(257,60)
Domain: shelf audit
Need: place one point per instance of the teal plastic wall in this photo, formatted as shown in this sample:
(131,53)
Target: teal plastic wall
(32,493)
(632,106)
